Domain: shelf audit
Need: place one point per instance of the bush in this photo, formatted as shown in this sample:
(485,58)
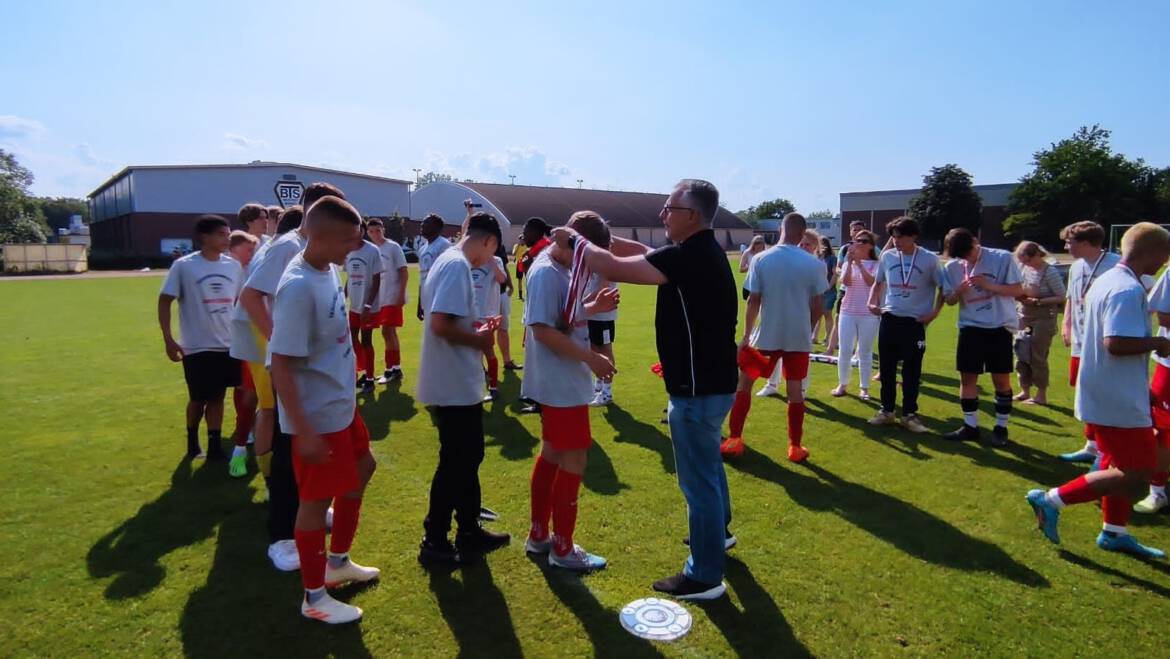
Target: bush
(103,259)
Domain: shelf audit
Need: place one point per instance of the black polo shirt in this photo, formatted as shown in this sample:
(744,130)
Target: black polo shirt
(695,317)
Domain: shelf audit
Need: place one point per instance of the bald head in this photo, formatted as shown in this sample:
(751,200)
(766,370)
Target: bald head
(792,229)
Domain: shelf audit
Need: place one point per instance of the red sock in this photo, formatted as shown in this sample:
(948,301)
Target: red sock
(1116,509)
(795,423)
(393,358)
(245,417)
(1160,479)
(493,372)
(346,512)
(1077,491)
(739,412)
(564,513)
(544,473)
(311,550)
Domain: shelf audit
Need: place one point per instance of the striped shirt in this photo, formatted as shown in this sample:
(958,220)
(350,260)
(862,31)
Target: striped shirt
(855,302)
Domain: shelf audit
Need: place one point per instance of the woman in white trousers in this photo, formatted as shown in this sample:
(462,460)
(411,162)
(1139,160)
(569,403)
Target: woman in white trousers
(856,326)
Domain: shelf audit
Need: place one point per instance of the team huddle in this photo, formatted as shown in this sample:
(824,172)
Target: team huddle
(265,311)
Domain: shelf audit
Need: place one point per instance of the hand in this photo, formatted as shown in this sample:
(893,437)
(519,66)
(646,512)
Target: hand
(562,236)
(1066,335)
(1163,348)
(607,300)
(365,316)
(420,311)
(600,365)
(875,309)
(485,334)
(312,448)
(174,352)
(963,287)
(1034,301)
(979,281)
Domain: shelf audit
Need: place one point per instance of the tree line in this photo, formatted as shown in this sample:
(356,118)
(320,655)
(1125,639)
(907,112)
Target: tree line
(25,218)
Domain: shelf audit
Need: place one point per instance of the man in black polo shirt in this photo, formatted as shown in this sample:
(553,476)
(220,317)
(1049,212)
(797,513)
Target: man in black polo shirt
(695,323)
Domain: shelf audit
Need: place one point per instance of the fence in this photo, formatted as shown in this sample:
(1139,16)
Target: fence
(33,257)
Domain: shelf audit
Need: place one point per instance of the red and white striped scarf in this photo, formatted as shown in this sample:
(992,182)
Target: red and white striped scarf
(578,280)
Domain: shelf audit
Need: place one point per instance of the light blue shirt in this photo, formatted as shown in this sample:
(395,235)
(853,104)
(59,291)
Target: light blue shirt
(1081,276)
(980,308)
(549,378)
(786,278)
(912,282)
(449,374)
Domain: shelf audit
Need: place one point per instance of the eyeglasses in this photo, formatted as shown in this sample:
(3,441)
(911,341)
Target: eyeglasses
(676,208)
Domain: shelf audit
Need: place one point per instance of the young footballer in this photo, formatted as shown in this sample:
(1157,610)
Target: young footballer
(502,338)
(431,231)
(312,362)
(253,218)
(1084,241)
(985,283)
(1159,301)
(559,363)
(205,283)
(395,276)
(450,382)
(1113,394)
(602,330)
(363,268)
(518,252)
(241,246)
(786,284)
(486,280)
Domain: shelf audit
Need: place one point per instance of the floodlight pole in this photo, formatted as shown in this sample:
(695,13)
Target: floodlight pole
(579,182)
(513,177)
(416,177)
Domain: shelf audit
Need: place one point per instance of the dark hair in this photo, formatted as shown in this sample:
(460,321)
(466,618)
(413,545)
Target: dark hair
(826,248)
(433,217)
(318,190)
(856,223)
(592,226)
(1086,231)
(958,243)
(704,195)
(538,224)
(205,224)
(249,213)
(290,219)
(274,211)
(903,226)
(484,224)
(334,208)
(374,222)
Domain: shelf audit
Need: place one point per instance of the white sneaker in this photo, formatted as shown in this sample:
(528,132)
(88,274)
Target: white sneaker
(768,390)
(577,560)
(330,611)
(912,423)
(538,546)
(1151,504)
(329,520)
(284,556)
(600,400)
(349,571)
(883,418)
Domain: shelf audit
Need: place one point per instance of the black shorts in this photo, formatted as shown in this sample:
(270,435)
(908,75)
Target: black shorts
(984,350)
(209,373)
(601,332)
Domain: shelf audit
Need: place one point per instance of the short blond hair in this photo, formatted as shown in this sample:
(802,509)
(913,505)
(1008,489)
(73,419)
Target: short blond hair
(1143,238)
(237,237)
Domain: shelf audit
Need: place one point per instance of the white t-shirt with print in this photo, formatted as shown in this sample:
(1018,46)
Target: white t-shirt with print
(206,291)
(594,285)
(912,282)
(449,374)
(1081,276)
(264,273)
(786,278)
(1159,302)
(393,259)
(428,254)
(549,378)
(361,265)
(1113,390)
(487,289)
(980,308)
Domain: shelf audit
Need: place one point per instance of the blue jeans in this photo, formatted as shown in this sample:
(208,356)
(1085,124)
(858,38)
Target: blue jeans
(695,426)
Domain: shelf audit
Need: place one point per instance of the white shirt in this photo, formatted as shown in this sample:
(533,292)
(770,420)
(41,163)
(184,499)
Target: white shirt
(360,267)
(1159,302)
(592,287)
(427,255)
(206,291)
(309,323)
(980,308)
(1081,276)
(786,278)
(264,273)
(912,282)
(449,374)
(1114,390)
(392,260)
(549,378)
(487,289)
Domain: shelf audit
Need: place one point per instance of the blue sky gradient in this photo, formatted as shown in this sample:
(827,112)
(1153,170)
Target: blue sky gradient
(764,99)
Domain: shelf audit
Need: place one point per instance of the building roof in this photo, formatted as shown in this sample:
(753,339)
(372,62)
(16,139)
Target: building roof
(995,194)
(254,164)
(620,209)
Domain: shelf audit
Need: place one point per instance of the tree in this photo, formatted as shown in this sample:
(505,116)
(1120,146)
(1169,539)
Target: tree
(394,228)
(432,177)
(1081,178)
(947,201)
(22,229)
(824,214)
(766,210)
(21,219)
(58,210)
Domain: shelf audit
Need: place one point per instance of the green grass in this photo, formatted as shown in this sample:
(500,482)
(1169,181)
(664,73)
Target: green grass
(885,543)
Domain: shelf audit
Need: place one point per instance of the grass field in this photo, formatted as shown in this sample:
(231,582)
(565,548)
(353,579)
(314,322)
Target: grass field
(884,543)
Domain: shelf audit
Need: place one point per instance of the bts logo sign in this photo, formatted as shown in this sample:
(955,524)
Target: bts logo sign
(288,193)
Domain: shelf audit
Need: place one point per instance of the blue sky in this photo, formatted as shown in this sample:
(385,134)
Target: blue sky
(764,99)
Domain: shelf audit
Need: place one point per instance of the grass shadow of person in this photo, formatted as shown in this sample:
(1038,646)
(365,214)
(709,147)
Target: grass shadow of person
(200,495)
(895,438)
(380,411)
(242,580)
(1030,464)
(1088,563)
(600,476)
(605,632)
(505,431)
(628,430)
(986,405)
(759,629)
(889,519)
(475,610)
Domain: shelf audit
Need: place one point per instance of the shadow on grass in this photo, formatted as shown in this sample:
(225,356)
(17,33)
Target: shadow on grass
(266,603)
(629,430)
(892,520)
(385,407)
(200,496)
(1088,563)
(986,404)
(759,629)
(600,476)
(895,438)
(605,631)
(476,611)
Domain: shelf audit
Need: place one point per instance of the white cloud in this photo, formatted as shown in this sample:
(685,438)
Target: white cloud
(85,155)
(16,128)
(237,142)
(529,164)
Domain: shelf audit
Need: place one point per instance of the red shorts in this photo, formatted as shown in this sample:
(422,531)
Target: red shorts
(1074,367)
(566,428)
(355,320)
(793,365)
(1124,448)
(1160,404)
(338,475)
(246,382)
(390,316)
